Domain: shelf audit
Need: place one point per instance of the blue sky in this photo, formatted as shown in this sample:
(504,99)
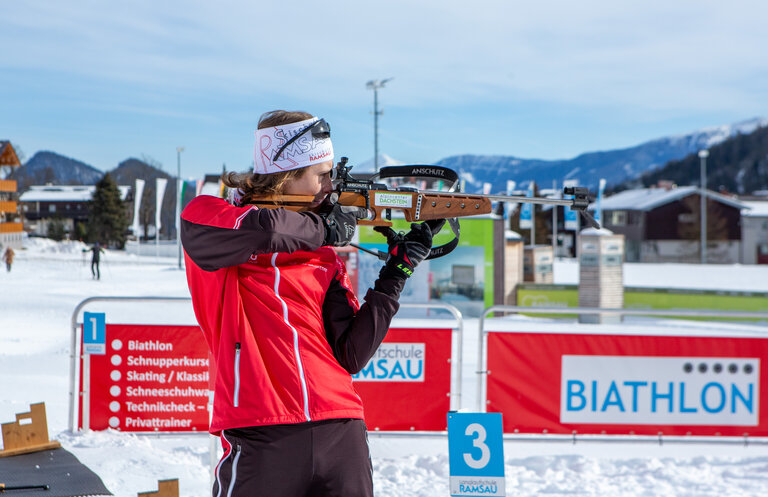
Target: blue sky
(102,81)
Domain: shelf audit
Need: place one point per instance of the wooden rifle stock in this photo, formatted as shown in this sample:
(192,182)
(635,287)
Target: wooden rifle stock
(416,206)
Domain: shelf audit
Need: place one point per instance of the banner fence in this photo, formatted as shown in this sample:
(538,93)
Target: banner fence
(154,378)
(569,382)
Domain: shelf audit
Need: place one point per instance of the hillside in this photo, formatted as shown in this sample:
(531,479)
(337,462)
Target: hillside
(49,167)
(738,165)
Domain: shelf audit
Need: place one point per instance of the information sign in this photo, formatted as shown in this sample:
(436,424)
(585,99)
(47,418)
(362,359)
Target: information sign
(152,378)
(475,454)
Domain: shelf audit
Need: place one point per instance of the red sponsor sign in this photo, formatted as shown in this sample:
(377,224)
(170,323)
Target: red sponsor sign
(407,384)
(152,378)
(619,384)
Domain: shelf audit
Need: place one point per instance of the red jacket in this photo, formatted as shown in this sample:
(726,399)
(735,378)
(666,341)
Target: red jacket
(278,313)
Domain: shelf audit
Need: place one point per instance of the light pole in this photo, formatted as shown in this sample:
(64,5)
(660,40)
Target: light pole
(374,85)
(179,150)
(703,154)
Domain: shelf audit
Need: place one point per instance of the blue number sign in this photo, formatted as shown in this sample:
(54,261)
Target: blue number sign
(94,333)
(475,454)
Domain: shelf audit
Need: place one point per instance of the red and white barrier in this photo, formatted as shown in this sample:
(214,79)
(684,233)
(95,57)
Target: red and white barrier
(562,383)
(407,384)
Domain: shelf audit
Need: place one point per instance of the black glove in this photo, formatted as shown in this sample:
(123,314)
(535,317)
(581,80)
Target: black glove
(340,221)
(407,250)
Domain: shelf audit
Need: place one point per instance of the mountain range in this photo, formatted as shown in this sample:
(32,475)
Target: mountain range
(621,166)
(615,166)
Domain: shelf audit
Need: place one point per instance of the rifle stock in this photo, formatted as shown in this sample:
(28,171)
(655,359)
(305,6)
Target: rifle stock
(415,206)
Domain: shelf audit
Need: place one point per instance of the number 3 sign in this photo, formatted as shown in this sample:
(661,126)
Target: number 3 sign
(475,454)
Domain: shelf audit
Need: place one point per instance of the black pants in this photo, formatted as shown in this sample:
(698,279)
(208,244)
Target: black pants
(95,270)
(321,458)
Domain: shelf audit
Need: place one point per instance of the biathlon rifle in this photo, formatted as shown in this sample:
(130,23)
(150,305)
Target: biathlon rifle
(417,205)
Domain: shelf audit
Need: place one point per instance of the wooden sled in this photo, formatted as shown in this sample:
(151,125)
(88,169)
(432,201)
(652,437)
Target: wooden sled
(29,433)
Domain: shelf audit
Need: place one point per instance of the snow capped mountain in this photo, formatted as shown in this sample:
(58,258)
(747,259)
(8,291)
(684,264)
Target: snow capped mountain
(615,166)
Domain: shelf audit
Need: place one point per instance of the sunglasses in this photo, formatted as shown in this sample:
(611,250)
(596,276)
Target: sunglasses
(319,129)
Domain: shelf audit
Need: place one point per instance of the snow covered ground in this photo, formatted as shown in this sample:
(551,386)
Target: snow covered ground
(48,280)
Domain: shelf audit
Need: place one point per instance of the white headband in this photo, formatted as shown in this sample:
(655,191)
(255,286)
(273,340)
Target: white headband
(304,151)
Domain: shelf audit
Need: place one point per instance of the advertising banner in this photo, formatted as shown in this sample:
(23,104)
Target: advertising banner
(407,384)
(463,278)
(623,384)
(151,378)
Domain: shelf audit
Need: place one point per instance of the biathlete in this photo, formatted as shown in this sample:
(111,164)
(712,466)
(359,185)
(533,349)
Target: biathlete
(283,324)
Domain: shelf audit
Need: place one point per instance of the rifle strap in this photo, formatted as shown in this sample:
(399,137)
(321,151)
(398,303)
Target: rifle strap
(447,248)
(419,171)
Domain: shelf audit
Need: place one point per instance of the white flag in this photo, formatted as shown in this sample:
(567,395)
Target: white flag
(510,186)
(138,191)
(159,194)
(487,188)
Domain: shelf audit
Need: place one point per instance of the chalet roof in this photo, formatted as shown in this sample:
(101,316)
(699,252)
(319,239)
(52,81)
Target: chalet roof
(65,193)
(755,208)
(646,199)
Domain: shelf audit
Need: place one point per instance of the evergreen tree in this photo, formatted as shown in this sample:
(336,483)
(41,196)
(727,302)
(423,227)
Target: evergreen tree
(108,218)
(56,230)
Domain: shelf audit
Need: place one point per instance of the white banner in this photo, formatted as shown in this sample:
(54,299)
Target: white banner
(660,390)
(138,191)
(159,194)
(179,193)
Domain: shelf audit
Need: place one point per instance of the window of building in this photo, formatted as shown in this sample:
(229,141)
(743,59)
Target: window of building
(52,208)
(618,218)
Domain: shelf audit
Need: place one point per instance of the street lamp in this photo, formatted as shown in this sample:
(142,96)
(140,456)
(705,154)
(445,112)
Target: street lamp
(374,85)
(179,150)
(703,154)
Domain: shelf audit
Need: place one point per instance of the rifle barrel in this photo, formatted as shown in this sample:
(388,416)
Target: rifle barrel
(510,198)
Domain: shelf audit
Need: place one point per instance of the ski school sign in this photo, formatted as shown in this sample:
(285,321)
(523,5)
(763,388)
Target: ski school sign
(619,384)
(395,362)
(406,385)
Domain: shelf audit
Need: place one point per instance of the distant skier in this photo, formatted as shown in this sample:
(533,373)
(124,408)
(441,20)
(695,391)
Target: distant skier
(96,252)
(8,258)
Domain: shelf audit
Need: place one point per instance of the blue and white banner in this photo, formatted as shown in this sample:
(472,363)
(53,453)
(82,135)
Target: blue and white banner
(475,454)
(94,333)
(571,216)
(599,207)
(526,210)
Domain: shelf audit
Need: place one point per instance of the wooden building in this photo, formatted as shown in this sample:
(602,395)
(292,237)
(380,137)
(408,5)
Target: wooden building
(11,227)
(664,224)
(69,204)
